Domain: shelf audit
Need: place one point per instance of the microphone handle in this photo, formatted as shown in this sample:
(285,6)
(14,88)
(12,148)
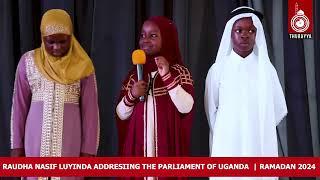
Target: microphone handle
(140,73)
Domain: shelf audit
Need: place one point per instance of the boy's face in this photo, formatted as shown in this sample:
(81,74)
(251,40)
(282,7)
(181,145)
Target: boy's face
(150,38)
(57,45)
(243,36)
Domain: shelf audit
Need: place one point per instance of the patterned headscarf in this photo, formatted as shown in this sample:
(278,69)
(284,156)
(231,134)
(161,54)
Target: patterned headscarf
(75,65)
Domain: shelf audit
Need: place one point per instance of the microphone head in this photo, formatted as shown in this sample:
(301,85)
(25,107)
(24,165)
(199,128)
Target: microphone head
(138,57)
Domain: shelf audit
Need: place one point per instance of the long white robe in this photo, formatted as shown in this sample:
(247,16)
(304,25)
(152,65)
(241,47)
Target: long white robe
(232,107)
(244,101)
(233,114)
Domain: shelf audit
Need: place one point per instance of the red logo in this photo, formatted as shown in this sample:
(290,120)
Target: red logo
(300,19)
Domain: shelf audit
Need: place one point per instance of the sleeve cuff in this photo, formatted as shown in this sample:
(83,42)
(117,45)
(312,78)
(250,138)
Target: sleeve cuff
(129,100)
(170,81)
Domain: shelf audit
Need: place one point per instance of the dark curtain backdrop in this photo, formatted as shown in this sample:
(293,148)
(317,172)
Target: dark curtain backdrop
(109,30)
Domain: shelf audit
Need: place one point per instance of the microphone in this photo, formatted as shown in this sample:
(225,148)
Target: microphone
(139,58)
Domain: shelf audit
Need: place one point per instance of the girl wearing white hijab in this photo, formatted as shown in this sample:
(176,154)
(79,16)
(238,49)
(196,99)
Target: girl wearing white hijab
(244,101)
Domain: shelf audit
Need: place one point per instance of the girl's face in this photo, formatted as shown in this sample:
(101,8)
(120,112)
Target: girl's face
(57,45)
(150,38)
(243,36)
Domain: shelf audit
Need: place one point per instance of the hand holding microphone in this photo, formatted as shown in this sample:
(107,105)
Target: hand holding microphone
(140,87)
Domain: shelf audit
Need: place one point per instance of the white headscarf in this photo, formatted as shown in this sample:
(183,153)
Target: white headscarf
(260,49)
(271,101)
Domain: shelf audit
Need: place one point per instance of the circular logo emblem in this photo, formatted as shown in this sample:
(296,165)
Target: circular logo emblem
(300,23)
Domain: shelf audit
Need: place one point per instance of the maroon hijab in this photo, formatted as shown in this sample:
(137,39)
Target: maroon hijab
(169,46)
